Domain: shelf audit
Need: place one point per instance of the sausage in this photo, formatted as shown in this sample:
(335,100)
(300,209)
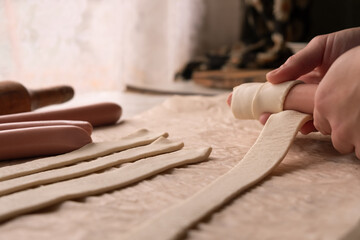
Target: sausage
(41,141)
(16,125)
(97,114)
(300,98)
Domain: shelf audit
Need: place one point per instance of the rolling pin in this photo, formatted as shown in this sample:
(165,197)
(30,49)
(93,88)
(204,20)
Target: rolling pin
(15,98)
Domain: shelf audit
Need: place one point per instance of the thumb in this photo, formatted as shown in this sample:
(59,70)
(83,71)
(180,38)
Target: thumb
(300,63)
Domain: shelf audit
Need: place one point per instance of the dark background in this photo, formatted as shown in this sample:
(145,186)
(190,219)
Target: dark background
(333,15)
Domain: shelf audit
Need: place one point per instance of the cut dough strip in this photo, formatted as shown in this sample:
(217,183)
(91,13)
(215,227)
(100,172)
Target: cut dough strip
(89,151)
(267,152)
(34,199)
(160,146)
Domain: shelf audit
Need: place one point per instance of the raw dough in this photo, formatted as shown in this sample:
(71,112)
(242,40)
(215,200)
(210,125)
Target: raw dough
(92,150)
(34,199)
(160,146)
(268,151)
(250,100)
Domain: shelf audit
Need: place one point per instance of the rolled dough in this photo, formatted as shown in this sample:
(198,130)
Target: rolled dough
(34,199)
(89,151)
(160,146)
(267,152)
(250,100)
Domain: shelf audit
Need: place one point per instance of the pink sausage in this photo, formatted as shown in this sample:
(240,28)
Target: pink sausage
(41,141)
(97,114)
(301,98)
(16,125)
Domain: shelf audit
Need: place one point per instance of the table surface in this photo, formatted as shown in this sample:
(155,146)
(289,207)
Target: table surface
(313,194)
(131,102)
(136,100)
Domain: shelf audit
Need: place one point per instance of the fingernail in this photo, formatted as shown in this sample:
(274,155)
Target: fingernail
(229,99)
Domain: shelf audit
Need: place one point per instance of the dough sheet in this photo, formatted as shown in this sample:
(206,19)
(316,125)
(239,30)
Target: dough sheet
(312,194)
(159,146)
(38,198)
(268,151)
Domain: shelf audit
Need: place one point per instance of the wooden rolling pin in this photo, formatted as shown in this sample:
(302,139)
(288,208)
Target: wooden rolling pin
(15,98)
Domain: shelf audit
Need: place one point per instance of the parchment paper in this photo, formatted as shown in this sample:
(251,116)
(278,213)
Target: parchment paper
(313,194)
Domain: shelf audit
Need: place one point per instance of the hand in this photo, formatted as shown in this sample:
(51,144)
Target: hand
(337,103)
(311,63)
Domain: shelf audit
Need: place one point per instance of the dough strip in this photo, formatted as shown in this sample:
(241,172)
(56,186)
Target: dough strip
(34,199)
(160,146)
(268,151)
(89,151)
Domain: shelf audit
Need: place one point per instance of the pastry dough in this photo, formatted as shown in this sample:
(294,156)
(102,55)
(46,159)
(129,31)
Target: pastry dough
(160,146)
(250,100)
(267,152)
(89,151)
(34,199)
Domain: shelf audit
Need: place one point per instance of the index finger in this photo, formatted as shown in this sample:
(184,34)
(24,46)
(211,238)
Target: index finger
(300,63)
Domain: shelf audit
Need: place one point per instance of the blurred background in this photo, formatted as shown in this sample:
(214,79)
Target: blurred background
(97,45)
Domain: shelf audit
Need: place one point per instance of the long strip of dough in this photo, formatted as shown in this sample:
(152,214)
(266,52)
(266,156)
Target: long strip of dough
(160,146)
(268,151)
(34,199)
(89,151)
